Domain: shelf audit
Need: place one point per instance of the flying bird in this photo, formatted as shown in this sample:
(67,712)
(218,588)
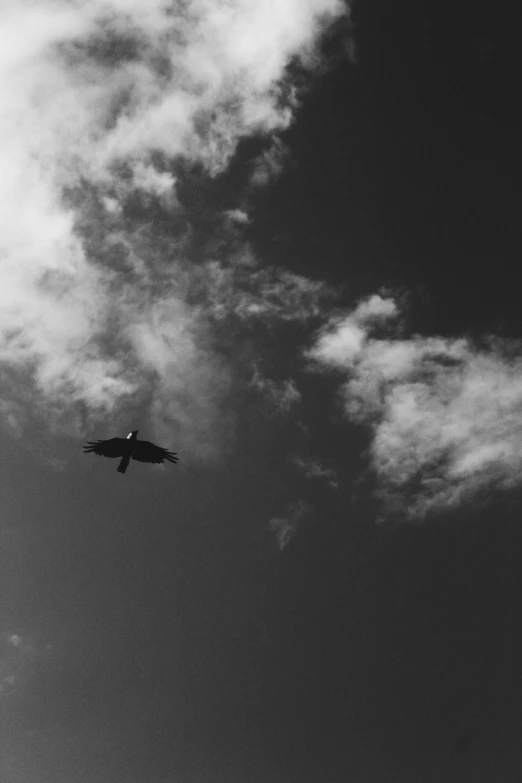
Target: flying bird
(130,447)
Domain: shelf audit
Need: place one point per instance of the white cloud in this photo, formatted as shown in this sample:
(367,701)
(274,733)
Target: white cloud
(160,184)
(376,308)
(340,345)
(444,413)
(97,101)
(237,216)
(343,339)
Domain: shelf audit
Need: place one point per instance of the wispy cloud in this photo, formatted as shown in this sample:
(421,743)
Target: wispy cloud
(282,394)
(17,655)
(444,413)
(100,104)
(269,165)
(286,528)
(314,470)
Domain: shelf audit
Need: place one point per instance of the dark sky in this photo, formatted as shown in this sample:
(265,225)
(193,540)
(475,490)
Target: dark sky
(152,629)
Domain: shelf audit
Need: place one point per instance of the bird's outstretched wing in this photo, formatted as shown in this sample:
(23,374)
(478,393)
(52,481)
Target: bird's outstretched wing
(114,447)
(144,451)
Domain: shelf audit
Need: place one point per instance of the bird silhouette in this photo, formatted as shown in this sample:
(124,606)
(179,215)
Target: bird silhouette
(130,447)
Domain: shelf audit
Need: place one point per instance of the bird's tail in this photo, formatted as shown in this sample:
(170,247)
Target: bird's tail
(124,464)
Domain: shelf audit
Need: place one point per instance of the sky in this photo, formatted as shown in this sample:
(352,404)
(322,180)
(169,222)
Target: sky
(282,240)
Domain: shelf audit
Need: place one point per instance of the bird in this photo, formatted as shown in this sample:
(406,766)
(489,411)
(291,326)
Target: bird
(141,450)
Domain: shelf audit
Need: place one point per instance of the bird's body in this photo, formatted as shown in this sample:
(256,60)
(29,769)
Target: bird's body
(130,448)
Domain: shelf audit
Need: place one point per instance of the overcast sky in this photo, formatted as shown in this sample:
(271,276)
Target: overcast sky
(282,239)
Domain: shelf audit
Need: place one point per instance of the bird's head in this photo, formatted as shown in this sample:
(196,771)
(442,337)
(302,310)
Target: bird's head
(133,434)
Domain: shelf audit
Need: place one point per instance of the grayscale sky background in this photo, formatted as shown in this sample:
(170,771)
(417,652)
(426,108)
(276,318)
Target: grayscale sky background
(281,239)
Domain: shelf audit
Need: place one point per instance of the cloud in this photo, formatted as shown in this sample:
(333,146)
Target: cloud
(267,295)
(286,528)
(268,166)
(101,105)
(340,342)
(237,216)
(283,394)
(444,413)
(160,184)
(17,656)
(313,469)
